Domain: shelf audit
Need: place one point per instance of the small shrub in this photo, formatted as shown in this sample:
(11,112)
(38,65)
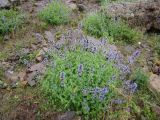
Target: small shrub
(9,21)
(101,25)
(80,81)
(55,13)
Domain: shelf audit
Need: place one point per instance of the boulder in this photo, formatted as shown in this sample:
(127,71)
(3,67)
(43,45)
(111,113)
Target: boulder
(144,14)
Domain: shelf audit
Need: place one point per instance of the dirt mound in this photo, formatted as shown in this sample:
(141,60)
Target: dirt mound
(144,14)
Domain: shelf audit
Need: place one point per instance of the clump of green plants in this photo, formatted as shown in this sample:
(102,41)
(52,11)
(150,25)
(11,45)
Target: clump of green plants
(55,13)
(80,81)
(10,20)
(101,25)
(141,78)
(96,24)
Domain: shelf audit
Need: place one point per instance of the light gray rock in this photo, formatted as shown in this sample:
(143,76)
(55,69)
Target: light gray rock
(4,4)
(155,82)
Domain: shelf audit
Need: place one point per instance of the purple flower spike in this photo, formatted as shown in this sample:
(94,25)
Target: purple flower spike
(134,56)
(62,77)
(80,70)
(130,86)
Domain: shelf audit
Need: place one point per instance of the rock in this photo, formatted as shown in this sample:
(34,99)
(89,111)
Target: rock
(32,83)
(33,47)
(70,115)
(156,70)
(144,14)
(155,82)
(6,38)
(15,2)
(45,49)
(81,7)
(156,110)
(21,76)
(30,78)
(23,83)
(5,4)
(37,67)
(50,37)
(39,58)
(73,6)
(11,76)
(39,38)
(25,51)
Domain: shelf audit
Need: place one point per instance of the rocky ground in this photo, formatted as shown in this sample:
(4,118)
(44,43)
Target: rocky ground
(23,60)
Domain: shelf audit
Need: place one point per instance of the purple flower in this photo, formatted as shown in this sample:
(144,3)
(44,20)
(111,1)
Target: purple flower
(100,93)
(80,70)
(103,41)
(134,56)
(94,49)
(62,78)
(130,86)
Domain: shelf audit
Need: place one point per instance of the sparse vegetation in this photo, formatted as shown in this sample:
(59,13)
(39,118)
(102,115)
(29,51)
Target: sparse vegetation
(55,13)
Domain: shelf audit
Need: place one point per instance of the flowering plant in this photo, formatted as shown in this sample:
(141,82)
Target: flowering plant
(81,81)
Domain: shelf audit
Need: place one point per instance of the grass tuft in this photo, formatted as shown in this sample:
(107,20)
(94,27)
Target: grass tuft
(9,21)
(55,13)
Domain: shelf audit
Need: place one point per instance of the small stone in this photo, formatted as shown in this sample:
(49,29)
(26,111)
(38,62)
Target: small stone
(39,38)
(39,58)
(45,49)
(50,37)
(33,47)
(23,83)
(70,115)
(36,67)
(21,76)
(156,109)
(6,38)
(73,6)
(11,76)
(32,83)
(155,82)
(81,7)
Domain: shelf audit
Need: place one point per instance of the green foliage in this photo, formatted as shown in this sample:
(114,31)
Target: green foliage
(95,24)
(141,78)
(55,13)
(9,21)
(72,90)
(101,25)
(157,47)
